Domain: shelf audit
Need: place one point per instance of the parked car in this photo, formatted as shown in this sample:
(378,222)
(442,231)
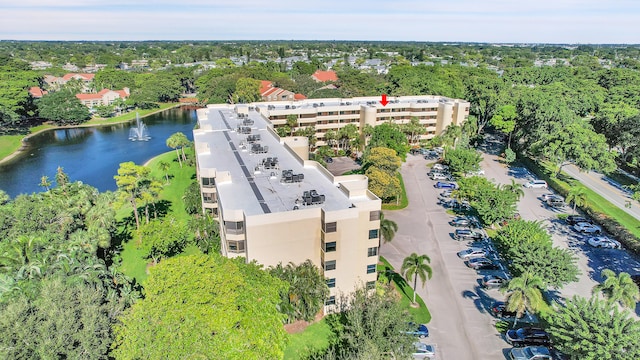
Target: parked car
(488,266)
(479,262)
(438,176)
(423,351)
(574,219)
(445,185)
(476,173)
(455,204)
(587,228)
(465,234)
(547,196)
(446,193)
(328,160)
(527,336)
(555,202)
(603,242)
(499,309)
(472,252)
(419,330)
(530,353)
(493,281)
(536,184)
(460,221)
(439,167)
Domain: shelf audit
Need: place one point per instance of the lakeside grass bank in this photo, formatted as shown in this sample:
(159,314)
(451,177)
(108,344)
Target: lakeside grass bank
(11,145)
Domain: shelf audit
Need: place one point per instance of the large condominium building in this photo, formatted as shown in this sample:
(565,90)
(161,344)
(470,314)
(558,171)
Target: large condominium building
(274,205)
(434,112)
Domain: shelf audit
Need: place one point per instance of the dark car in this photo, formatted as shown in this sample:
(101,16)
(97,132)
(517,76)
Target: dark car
(328,160)
(499,309)
(574,219)
(528,336)
(445,185)
(419,330)
(466,234)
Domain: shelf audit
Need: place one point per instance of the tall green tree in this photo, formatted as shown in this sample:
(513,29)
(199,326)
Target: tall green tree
(619,289)
(388,229)
(524,294)
(130,180)
(414,266)
(63,108)
(165,166)
(247,90)
(505,121)
(594,329)
(204,306)
(178,141)
(463,161)
(292,122)
(307,290)
(162,238)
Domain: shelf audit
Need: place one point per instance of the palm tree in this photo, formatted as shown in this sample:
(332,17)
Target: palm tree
(292,123)
(524,294)
(165,166)
(416,266)
(388,229)
(514,188)
(174,142)
(451,134)
(45,182)
(620,289)
(578,196)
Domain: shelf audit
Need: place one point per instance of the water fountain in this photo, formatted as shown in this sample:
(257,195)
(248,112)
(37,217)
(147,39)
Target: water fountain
(139,132)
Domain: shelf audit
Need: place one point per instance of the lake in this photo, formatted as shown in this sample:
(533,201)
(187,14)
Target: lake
(91,155)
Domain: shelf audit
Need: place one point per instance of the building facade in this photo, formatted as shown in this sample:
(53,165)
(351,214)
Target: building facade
(274,205)
(102,98)
(435,113)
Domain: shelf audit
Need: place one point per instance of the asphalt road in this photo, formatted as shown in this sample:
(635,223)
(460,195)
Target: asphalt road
(596,182)
(461,327)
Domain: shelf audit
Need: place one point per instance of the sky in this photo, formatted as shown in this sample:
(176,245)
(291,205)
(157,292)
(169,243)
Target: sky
(493,21)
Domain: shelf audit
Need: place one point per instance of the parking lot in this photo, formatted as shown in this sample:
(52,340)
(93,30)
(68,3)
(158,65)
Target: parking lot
(462,327)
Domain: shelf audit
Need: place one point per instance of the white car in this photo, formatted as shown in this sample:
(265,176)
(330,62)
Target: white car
(476,173)
(587,228)
(440,167)
(536,184)
(603,242)
(438,176)
(424,351)
(471,253)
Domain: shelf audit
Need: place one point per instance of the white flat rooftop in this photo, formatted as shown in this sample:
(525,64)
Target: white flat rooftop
(258,192)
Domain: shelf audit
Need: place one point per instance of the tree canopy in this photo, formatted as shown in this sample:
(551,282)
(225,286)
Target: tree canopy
(204,306)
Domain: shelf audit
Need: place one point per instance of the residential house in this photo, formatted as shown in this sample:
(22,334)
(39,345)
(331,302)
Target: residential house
(104,97)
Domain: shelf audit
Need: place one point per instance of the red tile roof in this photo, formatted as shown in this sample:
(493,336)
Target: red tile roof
(299,97)
(324,76)
(89,96)
(85,77)
(36,92)
(265,85)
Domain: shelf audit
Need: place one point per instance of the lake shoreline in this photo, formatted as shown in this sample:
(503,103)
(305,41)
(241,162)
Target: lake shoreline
(16,153)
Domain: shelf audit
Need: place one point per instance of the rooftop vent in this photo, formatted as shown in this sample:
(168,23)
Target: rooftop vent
(253,138)
(312,198)
(247,122)
(259,149)
(244,130)
(270,163)
(289,177)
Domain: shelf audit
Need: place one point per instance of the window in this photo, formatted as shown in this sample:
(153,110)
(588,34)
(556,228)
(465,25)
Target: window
(208,182)
(330,265)
(234,227)
(372,251)
(371,285)
(330,301)
(235,246)
(209,197)
(331,283)
(371,269)
(373,234)
(329,247)
(374,215)
(330,227)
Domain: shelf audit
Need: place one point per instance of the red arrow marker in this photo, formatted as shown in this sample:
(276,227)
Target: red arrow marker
(384,101)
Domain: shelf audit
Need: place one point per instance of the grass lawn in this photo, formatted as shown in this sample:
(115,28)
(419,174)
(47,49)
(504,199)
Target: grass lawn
(133,262)
(9,144)
(314,337)
(420,315)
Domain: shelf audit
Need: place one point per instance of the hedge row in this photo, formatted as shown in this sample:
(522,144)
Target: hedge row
(607,222)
